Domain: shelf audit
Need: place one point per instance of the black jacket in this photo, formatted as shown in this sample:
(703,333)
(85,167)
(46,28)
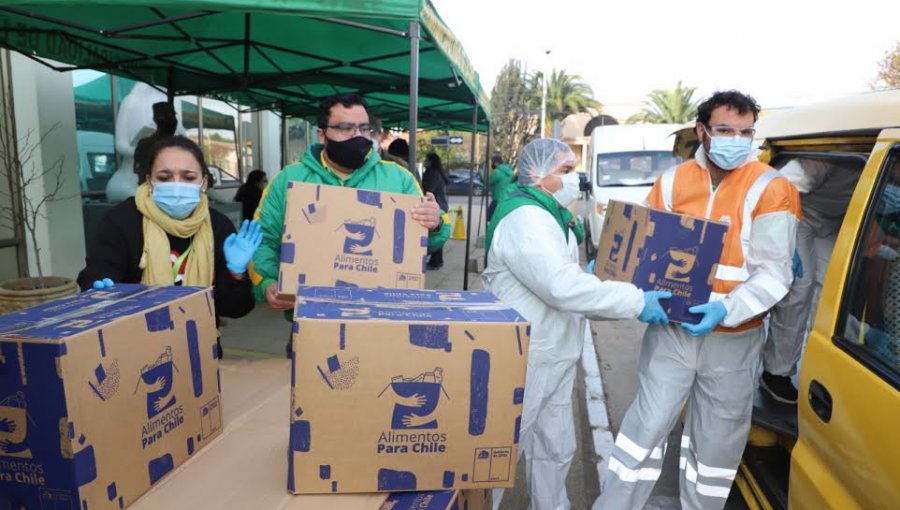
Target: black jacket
(115,253)
(436,183)
(249,196)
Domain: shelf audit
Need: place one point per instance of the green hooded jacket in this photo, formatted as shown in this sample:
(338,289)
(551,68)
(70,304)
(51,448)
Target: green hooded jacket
(376,175)
(500,182)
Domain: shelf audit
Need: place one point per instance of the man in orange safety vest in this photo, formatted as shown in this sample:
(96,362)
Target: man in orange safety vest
(712,366)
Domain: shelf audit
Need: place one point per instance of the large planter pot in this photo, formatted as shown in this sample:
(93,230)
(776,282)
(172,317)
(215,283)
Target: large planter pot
(21,293)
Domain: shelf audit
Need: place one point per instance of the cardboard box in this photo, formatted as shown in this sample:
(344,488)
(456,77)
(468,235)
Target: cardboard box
(405,391)
(346,237)
(104,393)
(442,500)
(245,467)
(660,250)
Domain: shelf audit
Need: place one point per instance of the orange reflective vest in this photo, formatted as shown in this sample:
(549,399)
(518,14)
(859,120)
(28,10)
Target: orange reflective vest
(747,192)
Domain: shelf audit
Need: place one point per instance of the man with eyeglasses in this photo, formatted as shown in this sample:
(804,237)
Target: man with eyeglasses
(712,365)
(344,156)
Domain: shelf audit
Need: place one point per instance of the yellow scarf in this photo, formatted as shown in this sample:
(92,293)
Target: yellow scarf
(156,260)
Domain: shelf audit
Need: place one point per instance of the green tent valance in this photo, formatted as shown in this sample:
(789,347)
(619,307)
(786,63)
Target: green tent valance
(283,55)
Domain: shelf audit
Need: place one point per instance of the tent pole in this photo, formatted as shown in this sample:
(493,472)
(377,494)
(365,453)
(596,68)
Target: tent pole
(471,191)
(284,139)
(413,90)
(486,196)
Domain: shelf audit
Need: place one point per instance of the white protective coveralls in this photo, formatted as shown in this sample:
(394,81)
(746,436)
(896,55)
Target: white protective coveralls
(715,374)
(534,268)
(826,188)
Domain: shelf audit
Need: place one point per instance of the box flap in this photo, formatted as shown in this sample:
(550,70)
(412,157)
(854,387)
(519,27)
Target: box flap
(409,313)
(68,316)
(394,296)
(435,500)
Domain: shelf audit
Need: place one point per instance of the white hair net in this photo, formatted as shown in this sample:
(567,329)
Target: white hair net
(541,157)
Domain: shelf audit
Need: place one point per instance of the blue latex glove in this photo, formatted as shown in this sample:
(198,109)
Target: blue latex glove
(239,247)
(653,312)
(713,314)
(590,267)
(797,265)
(103,284)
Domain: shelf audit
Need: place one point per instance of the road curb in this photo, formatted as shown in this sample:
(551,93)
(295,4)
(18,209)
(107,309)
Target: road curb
(595,400)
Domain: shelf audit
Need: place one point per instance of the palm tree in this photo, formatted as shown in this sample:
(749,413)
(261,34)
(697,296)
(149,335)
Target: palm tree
(566,94)
(668,107)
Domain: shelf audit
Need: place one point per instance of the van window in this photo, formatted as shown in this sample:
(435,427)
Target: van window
(633,168)
(871,310)
(101,163)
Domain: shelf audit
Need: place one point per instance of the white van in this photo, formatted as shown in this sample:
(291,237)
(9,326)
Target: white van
(625,161)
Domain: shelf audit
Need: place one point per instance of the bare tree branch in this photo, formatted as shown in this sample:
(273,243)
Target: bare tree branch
(26,180)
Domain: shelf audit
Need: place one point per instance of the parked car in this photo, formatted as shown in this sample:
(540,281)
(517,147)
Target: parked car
(460,182)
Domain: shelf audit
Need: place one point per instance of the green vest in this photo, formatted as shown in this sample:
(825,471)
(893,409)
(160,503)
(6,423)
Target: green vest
(527,195)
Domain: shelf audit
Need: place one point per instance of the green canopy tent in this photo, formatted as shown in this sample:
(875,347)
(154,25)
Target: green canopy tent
(283,56)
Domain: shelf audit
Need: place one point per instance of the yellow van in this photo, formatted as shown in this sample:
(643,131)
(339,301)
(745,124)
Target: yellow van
(839,448)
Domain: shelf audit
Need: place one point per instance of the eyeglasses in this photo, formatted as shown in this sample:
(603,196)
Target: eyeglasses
(348,128)
(730,132)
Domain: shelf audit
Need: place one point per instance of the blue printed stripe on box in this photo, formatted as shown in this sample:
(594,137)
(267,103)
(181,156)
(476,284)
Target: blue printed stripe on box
(88,310)
(405,296)
(361,312)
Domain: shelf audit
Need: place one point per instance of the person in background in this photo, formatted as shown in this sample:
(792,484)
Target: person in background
(250,192)
(434,181)
(826,188)
(500,180)
(532,255)
(168,235)
(398,152)
(166,123)
(711,366)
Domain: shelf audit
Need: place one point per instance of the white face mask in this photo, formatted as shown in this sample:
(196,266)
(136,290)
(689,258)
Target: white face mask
(569,191)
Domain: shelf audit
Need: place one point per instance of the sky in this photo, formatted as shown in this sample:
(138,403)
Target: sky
(784,53)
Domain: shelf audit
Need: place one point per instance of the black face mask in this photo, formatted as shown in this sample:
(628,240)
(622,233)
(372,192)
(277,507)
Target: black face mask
(350,154)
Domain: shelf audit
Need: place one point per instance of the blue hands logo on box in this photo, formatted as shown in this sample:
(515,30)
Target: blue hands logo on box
(360,234)
(164,416)
(14,427)
(681,266)
(357,253)
(415,401)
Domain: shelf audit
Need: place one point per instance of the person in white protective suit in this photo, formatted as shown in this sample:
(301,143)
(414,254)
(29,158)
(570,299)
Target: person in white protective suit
(532,250)
(826,187)
(712,365)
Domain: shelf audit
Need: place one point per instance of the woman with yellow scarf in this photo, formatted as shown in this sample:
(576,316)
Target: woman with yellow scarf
(168,235)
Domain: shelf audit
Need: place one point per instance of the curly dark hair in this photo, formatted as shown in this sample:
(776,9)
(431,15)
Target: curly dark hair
(731,98)
(181,142)
(346,100)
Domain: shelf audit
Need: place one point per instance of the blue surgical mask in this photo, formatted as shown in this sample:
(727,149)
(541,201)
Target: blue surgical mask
(729,152)
(177,199)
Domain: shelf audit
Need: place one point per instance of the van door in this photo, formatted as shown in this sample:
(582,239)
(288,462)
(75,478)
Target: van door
(848,452)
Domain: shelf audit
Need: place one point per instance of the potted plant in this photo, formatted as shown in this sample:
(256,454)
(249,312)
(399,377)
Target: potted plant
(21,207)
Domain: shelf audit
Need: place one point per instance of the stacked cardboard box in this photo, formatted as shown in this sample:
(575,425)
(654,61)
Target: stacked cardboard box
(404,390)
(660,250)
(104,393)
(346,237)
